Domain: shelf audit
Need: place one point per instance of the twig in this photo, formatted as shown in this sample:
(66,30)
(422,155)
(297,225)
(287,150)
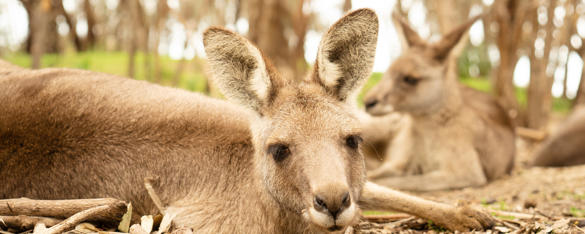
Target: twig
(152,194)
(533,134)
(23,222)
(78,218)
(62,209)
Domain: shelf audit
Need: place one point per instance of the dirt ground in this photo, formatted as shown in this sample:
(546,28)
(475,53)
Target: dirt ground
(530,200)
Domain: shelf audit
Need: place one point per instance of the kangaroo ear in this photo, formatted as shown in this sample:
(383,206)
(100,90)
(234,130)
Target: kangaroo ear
(346,53)
(408,37)
(240,71)
(454,41)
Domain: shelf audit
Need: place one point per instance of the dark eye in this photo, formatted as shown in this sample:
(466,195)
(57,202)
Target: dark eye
(410,80)
(278,151)
(353,141)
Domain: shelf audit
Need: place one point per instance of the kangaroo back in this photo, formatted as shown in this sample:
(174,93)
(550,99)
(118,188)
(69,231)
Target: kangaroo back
(565,147)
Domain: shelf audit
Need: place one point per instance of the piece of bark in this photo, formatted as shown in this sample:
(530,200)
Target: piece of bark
(62,209)
(137,229)
(23,222)
(40,228)
(77,218)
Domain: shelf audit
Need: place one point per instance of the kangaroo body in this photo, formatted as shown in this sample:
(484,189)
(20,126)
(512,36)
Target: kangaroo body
(565,146)
(286,160)
(458,137)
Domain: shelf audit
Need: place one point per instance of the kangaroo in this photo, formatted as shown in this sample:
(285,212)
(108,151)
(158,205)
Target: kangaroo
(565,147)
(459,137)
(285,159)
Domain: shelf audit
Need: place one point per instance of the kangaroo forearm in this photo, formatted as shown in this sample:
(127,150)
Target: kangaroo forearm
(431,182)
(376,197)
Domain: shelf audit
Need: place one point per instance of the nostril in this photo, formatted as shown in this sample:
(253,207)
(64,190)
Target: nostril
(371,103)
(346,200)
(319,204)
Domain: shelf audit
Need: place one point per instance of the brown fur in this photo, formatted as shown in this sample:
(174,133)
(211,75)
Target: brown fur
(565,147)
(458,137)
(77,134)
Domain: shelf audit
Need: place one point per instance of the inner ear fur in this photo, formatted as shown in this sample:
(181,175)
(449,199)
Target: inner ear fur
(346,53)
(454,39)
(239,69)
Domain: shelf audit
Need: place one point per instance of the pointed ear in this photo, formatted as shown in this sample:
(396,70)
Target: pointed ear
(454,41)
(408,36)
(239,70)
(346,53)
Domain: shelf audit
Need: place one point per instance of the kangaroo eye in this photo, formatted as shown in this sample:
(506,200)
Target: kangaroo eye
(410,80)
(353,141)
(278,151)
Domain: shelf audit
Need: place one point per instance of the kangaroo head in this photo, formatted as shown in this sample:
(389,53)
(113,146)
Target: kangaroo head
(418,80)
(306,137)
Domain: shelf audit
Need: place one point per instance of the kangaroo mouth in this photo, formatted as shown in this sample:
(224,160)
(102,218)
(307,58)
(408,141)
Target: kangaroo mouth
(335,228)
(380,109)
(326,222)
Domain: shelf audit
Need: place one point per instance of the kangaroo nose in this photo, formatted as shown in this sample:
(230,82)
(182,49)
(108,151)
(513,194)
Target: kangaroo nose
(334,205)
(371,103)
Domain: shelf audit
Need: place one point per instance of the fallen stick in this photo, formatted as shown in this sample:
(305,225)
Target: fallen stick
(23,222)
(62,209)
(70,222)
(533,134)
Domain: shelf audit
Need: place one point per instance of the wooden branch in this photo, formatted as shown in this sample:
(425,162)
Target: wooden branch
(23,222)
(62,209)
(532,134)
(79,217)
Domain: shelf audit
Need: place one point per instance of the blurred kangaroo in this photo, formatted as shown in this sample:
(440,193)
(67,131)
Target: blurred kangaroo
(566,146)
(286,160)
(458,137)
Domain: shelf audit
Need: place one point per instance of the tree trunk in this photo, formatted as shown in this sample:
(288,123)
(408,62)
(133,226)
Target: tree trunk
(268,21)
(72,27)
(509,15)
(91,22)
(539,97)
(162,11)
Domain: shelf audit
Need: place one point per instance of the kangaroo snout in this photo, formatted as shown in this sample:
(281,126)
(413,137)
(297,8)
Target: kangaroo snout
(333,204)
(333,207)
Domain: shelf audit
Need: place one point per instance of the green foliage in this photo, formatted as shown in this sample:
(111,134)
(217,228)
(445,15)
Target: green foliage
(375,212)
(192,78)
(576,212)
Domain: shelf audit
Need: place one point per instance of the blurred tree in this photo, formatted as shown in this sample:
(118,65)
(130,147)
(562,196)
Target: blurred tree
(43,36)
(509,15)
(270,23)
(91,19)
(539,97)
(162,13)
